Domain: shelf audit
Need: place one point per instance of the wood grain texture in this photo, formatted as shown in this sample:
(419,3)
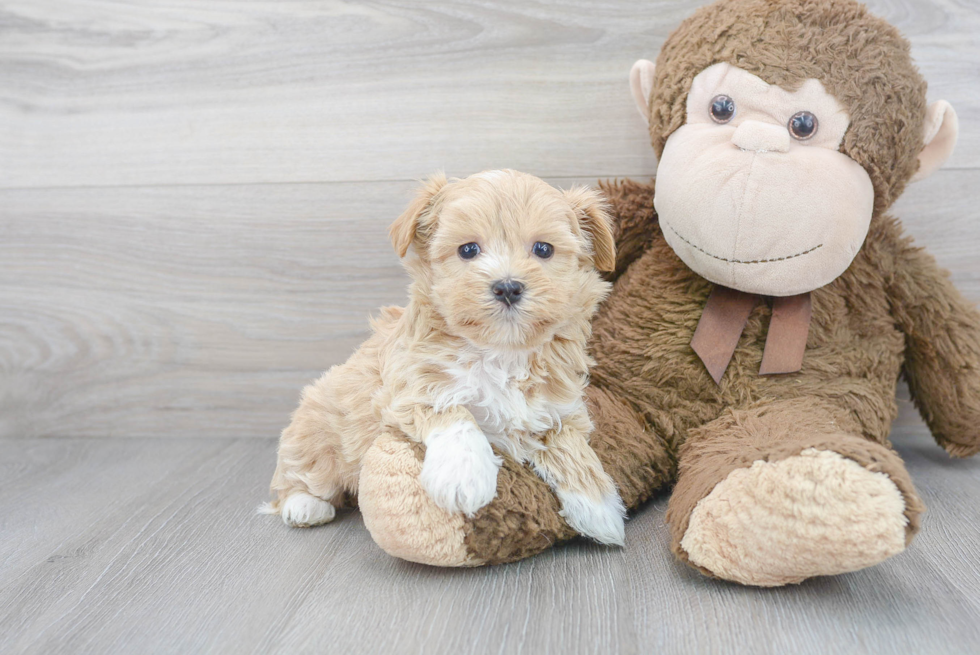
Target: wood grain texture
(201,311)
(202,308)
(113,92)
(168,555)
(193,204)
(182,311)
(152,545)
(197,302)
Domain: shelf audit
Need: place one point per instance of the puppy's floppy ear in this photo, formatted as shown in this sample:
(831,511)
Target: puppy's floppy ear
(594,220)
(402,231)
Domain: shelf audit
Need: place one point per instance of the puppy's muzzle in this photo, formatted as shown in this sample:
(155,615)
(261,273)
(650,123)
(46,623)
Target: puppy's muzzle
(507,291)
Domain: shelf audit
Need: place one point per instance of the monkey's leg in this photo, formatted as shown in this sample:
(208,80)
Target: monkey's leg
(523,519)
(787,491)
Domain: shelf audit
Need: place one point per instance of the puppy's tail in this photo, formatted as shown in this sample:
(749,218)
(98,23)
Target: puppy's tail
(271,507)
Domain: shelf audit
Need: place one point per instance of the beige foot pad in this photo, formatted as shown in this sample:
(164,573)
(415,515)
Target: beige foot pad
(398,512)
(777,523)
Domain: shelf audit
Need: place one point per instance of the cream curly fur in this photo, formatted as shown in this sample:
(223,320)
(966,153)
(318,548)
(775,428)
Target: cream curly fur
(458,370)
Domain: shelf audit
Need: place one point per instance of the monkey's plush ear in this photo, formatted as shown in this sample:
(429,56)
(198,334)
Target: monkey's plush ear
(941,129)
(402,231)
(641,84)
(595,221)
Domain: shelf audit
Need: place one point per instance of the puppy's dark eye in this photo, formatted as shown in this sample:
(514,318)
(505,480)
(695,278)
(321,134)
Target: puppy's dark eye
(543,250)
(802,125)
(722,109)
(468,250)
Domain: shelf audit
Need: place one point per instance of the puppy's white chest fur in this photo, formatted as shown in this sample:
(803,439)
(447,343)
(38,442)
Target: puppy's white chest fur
(489,384)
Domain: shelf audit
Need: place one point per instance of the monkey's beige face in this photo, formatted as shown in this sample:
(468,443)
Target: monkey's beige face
(752,192)
(509,261)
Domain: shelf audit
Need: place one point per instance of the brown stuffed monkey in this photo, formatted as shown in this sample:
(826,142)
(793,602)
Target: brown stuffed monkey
(765,306)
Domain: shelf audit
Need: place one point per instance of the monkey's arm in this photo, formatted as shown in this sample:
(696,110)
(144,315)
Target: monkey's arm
(634,220)
(942,349)
(459,472)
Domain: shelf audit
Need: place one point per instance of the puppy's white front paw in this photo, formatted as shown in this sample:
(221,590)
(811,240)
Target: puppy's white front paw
(460,470)
(304,511)
(604,520)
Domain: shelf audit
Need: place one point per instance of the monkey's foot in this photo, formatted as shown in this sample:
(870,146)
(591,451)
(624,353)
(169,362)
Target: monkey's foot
(816,513)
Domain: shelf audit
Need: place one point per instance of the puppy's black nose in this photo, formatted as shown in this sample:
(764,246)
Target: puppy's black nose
(507,291)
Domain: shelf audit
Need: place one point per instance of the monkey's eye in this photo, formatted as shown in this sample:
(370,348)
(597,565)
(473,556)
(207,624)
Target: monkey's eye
(468,250)
(543,250)
(802,125)
(722,109)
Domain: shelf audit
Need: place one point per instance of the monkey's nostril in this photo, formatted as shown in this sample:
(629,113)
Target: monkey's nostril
(507,291)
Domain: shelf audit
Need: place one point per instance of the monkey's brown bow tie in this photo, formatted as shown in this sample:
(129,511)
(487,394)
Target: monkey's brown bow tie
(723,321)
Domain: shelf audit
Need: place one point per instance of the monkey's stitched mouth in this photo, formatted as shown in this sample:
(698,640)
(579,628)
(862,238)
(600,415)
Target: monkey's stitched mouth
(738,261)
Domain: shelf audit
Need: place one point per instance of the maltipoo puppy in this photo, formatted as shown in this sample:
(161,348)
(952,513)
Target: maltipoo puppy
(489,351)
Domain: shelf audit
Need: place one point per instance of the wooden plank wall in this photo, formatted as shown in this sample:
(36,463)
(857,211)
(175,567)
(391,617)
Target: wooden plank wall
(194,195)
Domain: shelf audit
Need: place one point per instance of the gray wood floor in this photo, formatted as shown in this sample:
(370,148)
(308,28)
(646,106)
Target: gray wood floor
(152,545)
(194,196)
(193,204)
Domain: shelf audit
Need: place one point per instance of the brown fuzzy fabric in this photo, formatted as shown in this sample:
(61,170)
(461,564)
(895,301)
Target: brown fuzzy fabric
(892,313)
(633,229)
(653,403)
(523,519)
(942,351)
(859,58)
(772,432)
